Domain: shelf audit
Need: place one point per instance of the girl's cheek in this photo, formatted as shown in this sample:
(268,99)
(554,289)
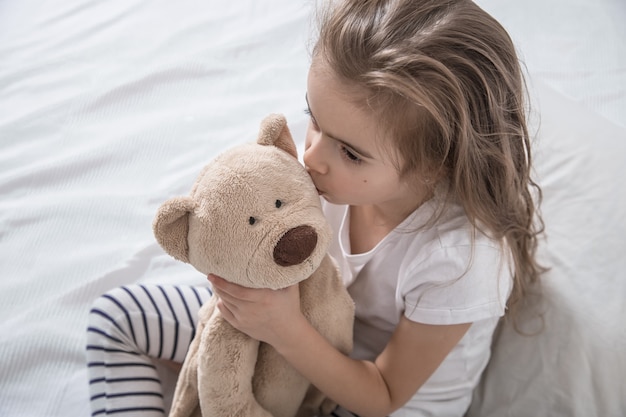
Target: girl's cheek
(307,137)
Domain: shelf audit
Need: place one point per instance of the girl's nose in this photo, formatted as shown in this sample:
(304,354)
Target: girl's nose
(313,153)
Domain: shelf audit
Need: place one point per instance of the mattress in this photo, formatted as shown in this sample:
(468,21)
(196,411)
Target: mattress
(109,108)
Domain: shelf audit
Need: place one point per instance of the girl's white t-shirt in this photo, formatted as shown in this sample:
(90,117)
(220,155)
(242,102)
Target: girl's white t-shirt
(432,275)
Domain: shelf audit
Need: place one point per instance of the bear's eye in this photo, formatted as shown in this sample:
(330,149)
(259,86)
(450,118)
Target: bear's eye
(251,220)
(278,203)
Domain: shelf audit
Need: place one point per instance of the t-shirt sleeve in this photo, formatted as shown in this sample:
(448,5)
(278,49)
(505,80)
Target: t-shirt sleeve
(457,284)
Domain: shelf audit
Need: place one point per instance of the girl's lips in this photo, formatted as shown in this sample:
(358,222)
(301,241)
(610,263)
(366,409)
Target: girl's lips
(319,191)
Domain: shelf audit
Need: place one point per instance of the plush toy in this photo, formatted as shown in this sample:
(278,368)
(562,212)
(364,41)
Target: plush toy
(254,218)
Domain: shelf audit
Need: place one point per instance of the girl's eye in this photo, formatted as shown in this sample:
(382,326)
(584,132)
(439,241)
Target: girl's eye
(350,156)
(307,111)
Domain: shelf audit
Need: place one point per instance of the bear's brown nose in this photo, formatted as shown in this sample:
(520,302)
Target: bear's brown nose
(295,246)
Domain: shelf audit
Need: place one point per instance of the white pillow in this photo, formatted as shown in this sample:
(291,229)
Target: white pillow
(576,365)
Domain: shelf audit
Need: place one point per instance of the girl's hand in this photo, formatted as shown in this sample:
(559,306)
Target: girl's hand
(262,314)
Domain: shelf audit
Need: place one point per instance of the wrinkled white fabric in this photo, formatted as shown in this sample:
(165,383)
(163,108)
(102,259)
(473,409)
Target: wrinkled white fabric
(108,108)
(439,274)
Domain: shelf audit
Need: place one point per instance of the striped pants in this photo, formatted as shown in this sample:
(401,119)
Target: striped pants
(128,327)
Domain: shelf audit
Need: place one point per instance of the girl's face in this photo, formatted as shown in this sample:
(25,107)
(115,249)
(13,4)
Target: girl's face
(344,151)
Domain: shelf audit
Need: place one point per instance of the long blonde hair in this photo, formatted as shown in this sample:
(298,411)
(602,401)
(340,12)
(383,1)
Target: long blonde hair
(443,77)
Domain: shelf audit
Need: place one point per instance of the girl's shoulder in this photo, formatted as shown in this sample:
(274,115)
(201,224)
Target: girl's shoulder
(444,226)
(449,239)
(453,271)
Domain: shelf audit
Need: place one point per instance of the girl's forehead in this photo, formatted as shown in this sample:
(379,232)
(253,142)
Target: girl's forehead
(324,85)
(339,111)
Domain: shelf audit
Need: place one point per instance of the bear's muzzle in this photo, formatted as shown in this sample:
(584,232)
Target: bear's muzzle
(295,246)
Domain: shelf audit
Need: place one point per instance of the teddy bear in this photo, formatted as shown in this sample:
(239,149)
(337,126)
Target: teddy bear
(254,218)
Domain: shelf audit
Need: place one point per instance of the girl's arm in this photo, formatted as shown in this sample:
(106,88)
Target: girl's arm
(367,388)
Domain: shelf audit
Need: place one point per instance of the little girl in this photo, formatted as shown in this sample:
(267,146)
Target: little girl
(418,146)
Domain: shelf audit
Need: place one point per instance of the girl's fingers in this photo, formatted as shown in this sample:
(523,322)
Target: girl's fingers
(234,291)
(225,287)
(223,308)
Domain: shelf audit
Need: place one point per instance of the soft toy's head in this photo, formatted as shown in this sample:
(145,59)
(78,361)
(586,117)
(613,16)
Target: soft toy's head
(253,216)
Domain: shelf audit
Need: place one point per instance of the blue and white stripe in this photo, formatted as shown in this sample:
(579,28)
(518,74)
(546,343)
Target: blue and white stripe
(128,328)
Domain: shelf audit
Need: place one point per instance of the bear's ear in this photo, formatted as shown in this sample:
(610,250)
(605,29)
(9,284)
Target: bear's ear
(171,226)
(274,131)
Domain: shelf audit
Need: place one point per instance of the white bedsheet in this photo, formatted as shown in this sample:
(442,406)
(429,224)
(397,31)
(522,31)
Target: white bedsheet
(108,108)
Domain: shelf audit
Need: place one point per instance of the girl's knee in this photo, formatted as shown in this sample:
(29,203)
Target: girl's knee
(109,317)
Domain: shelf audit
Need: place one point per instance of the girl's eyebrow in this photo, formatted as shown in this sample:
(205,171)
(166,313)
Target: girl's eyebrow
(333,137)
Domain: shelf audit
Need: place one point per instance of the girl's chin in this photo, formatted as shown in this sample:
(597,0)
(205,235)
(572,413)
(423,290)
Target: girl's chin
(330,199)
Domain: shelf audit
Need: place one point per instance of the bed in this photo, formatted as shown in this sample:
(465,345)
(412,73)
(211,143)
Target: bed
(108,108)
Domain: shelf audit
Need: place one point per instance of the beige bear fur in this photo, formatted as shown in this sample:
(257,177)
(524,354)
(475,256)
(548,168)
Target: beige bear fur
(254,218)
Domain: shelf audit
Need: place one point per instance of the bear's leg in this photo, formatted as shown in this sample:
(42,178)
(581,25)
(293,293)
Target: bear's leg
(226,364)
